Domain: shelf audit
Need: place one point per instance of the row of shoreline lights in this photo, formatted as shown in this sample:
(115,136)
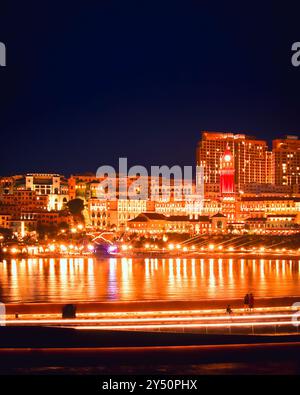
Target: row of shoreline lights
(50,248)
(210,247)
(125,247)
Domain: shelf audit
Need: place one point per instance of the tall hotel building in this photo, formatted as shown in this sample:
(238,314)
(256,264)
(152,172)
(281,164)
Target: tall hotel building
(252,160)
(286,162)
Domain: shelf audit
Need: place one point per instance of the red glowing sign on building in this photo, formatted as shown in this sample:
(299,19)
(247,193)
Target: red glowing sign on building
(227,173)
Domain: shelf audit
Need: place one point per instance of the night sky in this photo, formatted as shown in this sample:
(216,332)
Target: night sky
(90,82)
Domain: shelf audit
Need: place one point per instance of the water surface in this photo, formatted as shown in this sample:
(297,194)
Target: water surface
(123,279)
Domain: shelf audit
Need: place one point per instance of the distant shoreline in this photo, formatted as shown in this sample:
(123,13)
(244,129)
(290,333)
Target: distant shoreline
(160,254)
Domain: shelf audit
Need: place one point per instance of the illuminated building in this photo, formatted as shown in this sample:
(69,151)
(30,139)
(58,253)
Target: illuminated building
(46,184)
(5,220)
(36,188)
(251,159)
(154,223)
(269,175)
(260,206)
(109,207)
(148,223)
(52,185)
(275,224)
(105,214)
(266,189)
(28,221)
(25,198)
(32,200)
(82,186)
(219,223)
(129,209)
(281,223)
(255,225)
(286,162)
(245,185)
(7,184)
(102,213)
(47,218)
(20,200)
(171,208)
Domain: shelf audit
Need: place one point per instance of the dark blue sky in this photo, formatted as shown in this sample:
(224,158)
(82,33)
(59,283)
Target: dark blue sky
(86,83)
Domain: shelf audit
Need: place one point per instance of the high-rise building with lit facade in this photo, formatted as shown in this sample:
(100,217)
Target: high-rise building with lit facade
(286,162)
(251,159)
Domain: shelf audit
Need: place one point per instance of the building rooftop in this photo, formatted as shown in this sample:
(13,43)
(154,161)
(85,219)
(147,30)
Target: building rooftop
(281,215)
(256,219)
(219,215)
(144,217)
(201,218)
(262,198)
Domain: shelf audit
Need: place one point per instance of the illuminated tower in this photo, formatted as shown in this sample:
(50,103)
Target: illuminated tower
(227,185)
(227,173)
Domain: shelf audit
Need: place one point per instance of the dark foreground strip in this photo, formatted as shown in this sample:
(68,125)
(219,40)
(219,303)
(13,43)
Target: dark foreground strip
(24,357)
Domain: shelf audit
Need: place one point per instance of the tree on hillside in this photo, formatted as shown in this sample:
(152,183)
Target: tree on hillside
(76,207)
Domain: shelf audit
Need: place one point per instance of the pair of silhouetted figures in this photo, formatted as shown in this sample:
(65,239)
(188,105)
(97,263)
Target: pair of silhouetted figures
(249,302)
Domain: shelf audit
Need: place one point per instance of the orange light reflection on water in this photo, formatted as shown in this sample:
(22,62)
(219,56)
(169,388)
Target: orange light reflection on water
(90,279)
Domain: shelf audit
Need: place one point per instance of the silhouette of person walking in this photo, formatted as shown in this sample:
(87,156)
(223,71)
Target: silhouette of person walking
(251,302)
(246,302)
(229,310)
